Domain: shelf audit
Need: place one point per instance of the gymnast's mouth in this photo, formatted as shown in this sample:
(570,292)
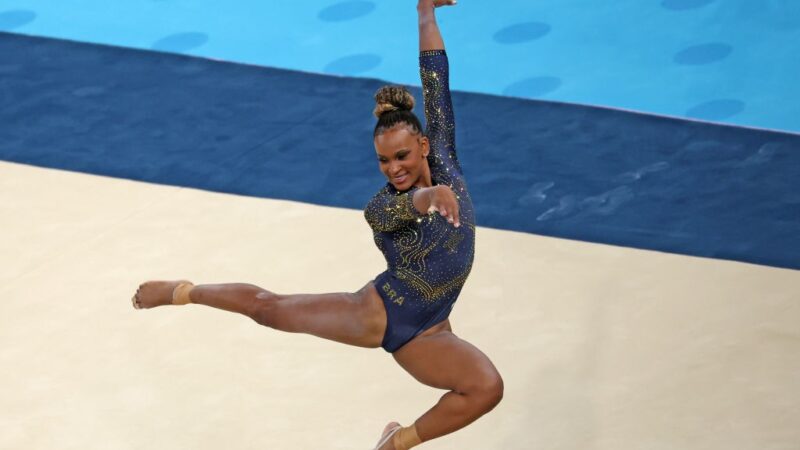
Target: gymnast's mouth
(400,179)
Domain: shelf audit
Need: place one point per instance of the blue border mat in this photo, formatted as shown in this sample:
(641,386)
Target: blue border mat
(554,169)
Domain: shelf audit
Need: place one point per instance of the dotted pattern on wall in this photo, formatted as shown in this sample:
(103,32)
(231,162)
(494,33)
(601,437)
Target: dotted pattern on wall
(732,61)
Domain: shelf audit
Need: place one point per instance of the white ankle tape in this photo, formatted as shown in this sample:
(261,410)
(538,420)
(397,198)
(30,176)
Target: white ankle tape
(406,438)
(180,295)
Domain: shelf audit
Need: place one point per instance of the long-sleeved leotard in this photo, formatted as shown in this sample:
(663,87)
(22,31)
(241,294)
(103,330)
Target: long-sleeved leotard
(428,258)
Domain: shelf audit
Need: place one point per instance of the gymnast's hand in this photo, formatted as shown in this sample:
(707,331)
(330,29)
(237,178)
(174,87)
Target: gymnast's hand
(429,4)
(444,201)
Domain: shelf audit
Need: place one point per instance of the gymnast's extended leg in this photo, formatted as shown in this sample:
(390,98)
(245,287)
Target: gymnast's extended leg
(357,318)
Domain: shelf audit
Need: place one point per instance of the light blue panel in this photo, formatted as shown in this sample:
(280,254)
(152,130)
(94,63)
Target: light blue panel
(663,56)
(13,19)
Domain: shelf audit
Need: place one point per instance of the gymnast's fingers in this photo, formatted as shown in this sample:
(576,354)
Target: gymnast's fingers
(454,214)
(452,208)
(438,3)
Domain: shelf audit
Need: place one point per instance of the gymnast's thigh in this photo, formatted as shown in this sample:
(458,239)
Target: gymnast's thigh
(445,361)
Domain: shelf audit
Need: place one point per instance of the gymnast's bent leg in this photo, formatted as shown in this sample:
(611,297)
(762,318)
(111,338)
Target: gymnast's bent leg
(442,360)
(357,318)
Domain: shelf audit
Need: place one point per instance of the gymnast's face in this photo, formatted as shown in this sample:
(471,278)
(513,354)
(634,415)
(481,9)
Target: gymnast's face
(402,157)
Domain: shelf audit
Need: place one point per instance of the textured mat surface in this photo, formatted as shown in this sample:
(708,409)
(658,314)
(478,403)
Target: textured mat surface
(600,347)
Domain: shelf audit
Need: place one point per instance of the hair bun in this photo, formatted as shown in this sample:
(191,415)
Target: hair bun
(393,98)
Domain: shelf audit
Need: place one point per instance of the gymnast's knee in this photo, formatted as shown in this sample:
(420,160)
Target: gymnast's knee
(488,392)
(263,309)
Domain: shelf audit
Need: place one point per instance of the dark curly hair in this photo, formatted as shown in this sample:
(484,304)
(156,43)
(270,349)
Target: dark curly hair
(394,105)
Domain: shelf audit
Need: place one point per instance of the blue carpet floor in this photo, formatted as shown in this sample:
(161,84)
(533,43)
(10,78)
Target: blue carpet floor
(554,169)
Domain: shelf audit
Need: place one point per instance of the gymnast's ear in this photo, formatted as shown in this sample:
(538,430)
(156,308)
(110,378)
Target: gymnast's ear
(425,145)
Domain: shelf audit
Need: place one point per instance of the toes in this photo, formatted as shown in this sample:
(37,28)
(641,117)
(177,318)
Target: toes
(135,298)
(388,429)
(390,425)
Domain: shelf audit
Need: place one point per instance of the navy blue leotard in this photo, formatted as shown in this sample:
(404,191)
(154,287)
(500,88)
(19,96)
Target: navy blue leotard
(428,258)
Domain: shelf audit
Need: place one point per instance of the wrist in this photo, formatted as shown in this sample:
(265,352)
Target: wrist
(430,195)
(426,12)
(429,192)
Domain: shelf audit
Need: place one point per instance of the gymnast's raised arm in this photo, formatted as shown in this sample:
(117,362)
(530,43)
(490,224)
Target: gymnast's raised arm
(429,36)
(434,72)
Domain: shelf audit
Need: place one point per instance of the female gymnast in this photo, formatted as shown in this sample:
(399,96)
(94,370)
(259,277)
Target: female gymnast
(423,222)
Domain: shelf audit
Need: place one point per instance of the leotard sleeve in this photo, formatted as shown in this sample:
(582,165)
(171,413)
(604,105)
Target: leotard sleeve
(440,122)
(389,210)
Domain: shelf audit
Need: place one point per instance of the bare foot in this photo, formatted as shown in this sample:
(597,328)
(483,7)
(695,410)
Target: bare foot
(389,428)
(154,293)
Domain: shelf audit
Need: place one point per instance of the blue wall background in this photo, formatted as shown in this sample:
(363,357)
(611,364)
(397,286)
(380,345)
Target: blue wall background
(733,61)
